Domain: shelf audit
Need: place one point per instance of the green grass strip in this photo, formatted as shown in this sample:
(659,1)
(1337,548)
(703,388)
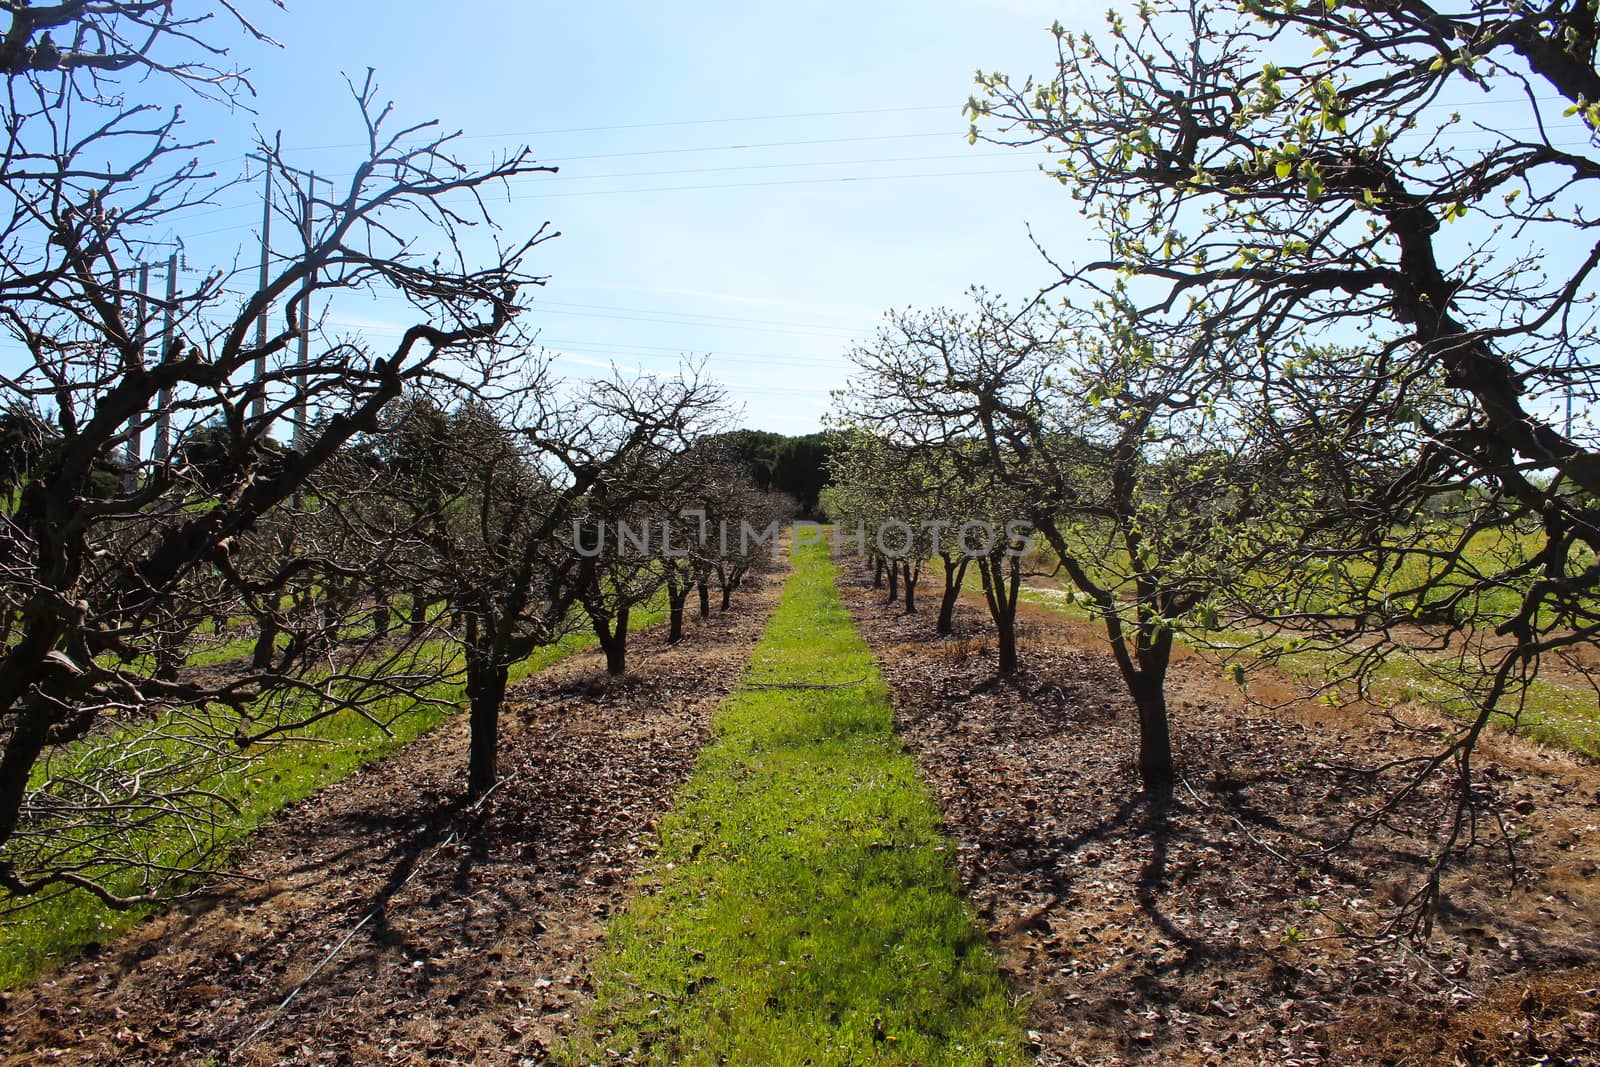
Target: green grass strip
(803,908)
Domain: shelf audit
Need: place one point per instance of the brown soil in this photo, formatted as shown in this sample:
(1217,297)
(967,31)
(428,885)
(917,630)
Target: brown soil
(481,920)
(1211,930)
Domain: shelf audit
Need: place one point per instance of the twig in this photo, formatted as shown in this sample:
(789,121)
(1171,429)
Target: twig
(1426,962)
(449,839)
(1237,822)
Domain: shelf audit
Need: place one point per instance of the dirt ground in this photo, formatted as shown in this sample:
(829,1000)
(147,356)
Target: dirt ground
(478,922)
(1213,932)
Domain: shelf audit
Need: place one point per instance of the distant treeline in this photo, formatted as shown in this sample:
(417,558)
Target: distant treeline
(794,465)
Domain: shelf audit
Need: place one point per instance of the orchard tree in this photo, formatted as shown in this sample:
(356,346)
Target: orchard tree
(683,549)
(1130,459)
(882,494)
(623,573)
(717,524)
(490,525)
(105,578)
(1398,193)
(513,490)
(752,518)
(855,502)
(933,500)
(1344,197)
(945,381)
(635,518)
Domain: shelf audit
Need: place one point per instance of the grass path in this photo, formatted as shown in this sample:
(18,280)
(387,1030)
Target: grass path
(804,907)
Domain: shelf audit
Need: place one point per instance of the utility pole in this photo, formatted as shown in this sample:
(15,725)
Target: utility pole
(307,224)
(163,451)
(130,479)
(260,408)
(307,227)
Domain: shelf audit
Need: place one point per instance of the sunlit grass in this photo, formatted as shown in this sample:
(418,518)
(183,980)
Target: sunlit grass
(804,906)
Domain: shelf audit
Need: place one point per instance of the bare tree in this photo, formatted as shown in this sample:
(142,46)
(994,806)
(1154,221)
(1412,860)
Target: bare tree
(750,517)
(635,518)
(106,580)
(515,490)
(624,573)
(705,498)
(108,36)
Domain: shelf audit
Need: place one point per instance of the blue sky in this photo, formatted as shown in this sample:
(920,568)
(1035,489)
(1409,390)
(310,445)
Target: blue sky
(751,183)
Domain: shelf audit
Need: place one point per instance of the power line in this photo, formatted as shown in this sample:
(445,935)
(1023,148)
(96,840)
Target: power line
(786,325)
(762,144)
(789,181)
(793,164)
(672,123)
(685,318)
(699,318)
(673,319)
(773,166)
(773,359)
(544,308)
(791,116)
(1031,169)
(569,160)
(668,351)
(562,161)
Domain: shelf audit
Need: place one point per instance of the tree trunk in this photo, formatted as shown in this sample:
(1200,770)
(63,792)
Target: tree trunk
(266,642)
(877,572)
(911,576)
(704,588)
(1005,626)
(1153,652)
(419,611)
(381,616)
(30,731)
(613,635)
(1156,767)
(486,691)
(677,597)
(894,583)
(954,573)
(1000,592)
